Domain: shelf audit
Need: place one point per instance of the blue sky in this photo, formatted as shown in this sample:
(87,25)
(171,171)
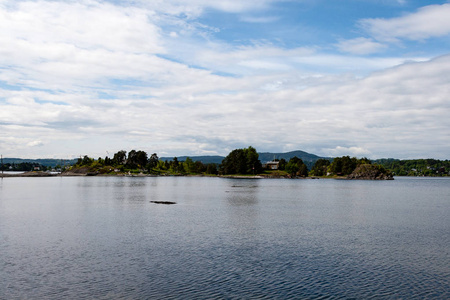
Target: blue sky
(356,77)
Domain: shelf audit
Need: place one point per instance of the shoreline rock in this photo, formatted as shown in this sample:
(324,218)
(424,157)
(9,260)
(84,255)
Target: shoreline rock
(371,172)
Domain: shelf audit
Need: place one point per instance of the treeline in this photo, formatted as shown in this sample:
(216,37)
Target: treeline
(24,166)
(238,162)
(246,162)
(339,166)
(417,167)
(139,162)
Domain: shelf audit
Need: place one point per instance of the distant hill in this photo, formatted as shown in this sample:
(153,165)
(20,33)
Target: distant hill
(305,156)
(42,161)
(308,158)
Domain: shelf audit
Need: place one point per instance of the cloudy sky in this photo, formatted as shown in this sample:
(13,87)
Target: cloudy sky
(351,77)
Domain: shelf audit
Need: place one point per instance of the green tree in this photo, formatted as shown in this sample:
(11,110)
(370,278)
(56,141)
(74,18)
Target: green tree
(141,159)
(120,158)
(254,165)
(235,162)
(296,167)
(320,167)
(131,161)
(282,164)
(364,161)
(292,168)
(343,165)
(189,165)
(175,165)
(153,161)
(161,165)
(86,161)
(199,167)
(211,169)
(242,161)
(303,170)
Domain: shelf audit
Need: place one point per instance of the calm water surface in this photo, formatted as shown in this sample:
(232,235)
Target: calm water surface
(102,238)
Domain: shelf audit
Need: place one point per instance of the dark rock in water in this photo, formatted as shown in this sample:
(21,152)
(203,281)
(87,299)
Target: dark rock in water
(371,172)
(163,202)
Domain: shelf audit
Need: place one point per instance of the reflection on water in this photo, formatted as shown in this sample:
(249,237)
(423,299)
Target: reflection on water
(101,237)
(242,192)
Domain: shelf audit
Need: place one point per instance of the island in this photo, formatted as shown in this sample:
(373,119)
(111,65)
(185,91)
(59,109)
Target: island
(239,163)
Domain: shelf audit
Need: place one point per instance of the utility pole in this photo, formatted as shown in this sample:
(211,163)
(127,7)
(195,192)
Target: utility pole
(2,163)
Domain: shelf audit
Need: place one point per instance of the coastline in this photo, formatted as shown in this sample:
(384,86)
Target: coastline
(74,174)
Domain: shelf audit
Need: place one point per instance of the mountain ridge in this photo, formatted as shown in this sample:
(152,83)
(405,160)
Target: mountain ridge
(48,162)
(264,157)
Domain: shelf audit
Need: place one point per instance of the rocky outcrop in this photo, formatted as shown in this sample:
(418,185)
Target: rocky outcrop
(80,171)
(371,172)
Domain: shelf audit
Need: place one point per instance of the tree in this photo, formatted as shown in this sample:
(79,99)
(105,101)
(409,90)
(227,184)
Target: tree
(175,164)
(132,159)
(211,169)
(364,161)
(242,161)
(292,168)
(189,165)
(282,164)
(234,163)
(253,163)
(343,165)
(199,167)
(101,161)
(296,167)
(303,170)
(86,161)
(141,159)
(320,167)
(153,161)
(161,165)
(120,157)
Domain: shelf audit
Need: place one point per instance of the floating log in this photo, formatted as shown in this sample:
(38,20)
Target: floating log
(163,202)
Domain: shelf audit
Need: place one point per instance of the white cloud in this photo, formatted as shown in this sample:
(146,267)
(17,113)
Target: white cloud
(349,151)
(389,112)
(428,22)
(253,19)
(360,46)
(35,144)
(230,6)
(86,25)
(77,88)
(192,9)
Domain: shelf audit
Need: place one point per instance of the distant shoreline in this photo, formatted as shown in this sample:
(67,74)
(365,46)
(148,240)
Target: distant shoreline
(40,174)
(70,174)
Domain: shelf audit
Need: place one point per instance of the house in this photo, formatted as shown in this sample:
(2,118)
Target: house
(271,165)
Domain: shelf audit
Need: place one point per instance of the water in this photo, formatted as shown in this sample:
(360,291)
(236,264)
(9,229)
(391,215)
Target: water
(102,238)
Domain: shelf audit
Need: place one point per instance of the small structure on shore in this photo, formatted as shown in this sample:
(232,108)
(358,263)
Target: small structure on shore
(271,165)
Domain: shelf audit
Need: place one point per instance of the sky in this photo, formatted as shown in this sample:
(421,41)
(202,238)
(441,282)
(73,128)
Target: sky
(364,78)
